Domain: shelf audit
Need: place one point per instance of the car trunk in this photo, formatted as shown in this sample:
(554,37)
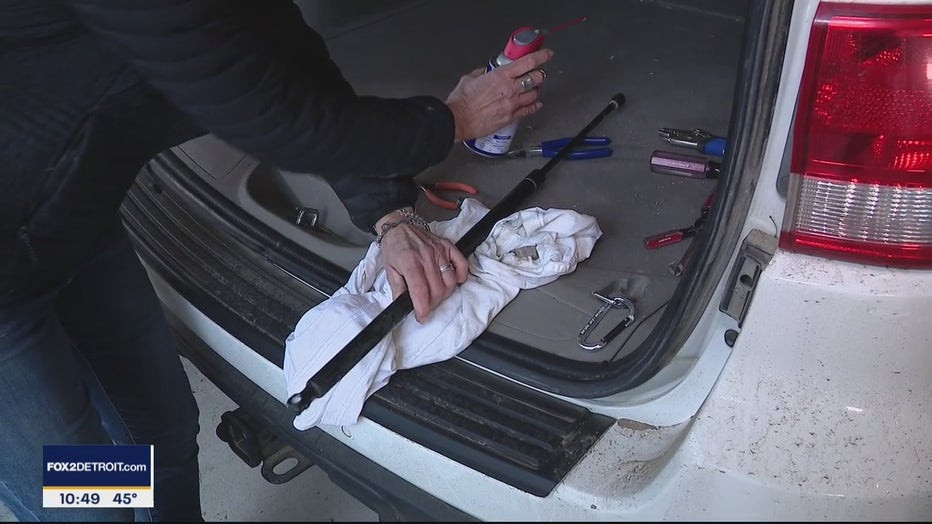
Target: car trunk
(221,231)
(675,63)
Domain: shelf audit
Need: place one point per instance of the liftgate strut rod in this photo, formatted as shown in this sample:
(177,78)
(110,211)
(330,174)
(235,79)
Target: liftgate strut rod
(357,348)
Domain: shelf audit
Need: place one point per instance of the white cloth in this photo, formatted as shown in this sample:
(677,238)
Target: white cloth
(561,239)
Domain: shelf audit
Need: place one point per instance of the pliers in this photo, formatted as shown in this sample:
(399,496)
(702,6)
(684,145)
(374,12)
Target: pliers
(551,148)
(430,192)
(697,139)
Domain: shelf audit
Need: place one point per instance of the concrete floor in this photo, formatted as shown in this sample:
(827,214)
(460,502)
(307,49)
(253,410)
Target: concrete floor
(232,491)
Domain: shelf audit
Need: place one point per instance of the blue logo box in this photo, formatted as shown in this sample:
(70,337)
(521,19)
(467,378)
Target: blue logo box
(97,466)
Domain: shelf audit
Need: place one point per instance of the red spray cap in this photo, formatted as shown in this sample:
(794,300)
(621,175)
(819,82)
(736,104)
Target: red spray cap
(524,41)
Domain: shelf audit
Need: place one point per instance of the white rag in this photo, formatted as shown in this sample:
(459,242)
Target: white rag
(527,249)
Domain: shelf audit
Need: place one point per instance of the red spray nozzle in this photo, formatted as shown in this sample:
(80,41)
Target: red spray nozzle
(525,40)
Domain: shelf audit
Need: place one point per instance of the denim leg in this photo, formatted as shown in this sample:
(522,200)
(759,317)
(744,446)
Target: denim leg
(43,400)
(112,315)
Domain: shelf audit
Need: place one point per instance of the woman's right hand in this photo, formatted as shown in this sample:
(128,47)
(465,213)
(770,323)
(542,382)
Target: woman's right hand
(484,102)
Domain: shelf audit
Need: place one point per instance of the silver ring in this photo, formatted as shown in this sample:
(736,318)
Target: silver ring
(527,83)
(447,267)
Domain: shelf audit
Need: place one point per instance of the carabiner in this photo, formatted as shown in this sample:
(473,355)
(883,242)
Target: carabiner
(607,304)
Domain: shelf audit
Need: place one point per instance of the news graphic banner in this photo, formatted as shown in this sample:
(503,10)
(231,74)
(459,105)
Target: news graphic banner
(98,476)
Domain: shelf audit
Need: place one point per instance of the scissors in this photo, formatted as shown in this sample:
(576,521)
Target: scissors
(430,192)
(551,148)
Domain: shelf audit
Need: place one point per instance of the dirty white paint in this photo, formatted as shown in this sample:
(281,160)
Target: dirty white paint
(254,366)
(826,394)
(816,415)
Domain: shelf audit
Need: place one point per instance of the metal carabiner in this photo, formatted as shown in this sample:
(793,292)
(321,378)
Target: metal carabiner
(607,304)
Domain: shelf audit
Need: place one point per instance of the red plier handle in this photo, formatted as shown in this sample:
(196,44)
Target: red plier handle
(430,192)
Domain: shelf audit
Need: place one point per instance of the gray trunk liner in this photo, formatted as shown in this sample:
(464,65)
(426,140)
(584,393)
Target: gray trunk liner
(676,66)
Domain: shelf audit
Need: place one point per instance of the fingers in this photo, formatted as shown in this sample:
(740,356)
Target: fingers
(526,99)
(428,286)
(530,81)
(448,273)
(527,63)
(455,270)
(431,268)
(396,282)
(426,266)
(443,267)
(525,73)
(527,110)
(419,290)
(450,264)
(460,264)
(526,104)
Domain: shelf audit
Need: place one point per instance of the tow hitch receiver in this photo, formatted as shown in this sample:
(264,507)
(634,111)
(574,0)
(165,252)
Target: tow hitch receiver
(256,445)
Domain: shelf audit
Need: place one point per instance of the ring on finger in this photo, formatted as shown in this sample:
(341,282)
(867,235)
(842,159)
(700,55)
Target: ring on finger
(527,83)
(447,267)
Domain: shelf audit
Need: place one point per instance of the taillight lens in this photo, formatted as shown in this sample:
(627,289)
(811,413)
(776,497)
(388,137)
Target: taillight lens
(861,187)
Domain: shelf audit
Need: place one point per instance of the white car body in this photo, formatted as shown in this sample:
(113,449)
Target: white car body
(817,412)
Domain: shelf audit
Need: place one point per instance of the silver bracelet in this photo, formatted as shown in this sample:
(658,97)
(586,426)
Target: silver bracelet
(408,217)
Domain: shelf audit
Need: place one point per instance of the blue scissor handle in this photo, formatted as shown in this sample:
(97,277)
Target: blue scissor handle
(588,141)
(579,154)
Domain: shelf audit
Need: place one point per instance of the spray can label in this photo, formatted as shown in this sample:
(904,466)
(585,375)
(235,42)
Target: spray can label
(498,143)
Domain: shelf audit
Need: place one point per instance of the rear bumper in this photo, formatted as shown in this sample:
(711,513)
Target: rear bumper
(393,498)
(775,440)
(817,414)
(224,278)
(821,410)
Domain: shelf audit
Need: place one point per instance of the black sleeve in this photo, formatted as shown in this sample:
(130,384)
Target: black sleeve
(255,75)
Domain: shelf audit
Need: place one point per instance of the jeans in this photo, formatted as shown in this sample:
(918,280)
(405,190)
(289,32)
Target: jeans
(89,359)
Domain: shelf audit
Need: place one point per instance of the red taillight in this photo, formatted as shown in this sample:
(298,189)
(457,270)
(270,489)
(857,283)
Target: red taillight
(861,187)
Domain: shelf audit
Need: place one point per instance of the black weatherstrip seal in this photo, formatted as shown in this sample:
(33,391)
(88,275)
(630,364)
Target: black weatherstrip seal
(512,433)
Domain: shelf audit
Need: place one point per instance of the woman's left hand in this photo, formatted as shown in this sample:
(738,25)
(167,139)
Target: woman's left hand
(425,265)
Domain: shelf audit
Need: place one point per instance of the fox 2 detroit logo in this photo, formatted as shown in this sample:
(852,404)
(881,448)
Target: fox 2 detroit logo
(100,476)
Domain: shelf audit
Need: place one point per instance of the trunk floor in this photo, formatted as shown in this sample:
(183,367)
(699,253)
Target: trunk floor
(676,65)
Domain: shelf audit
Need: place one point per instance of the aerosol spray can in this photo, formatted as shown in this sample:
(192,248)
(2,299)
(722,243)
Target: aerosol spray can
(523,41)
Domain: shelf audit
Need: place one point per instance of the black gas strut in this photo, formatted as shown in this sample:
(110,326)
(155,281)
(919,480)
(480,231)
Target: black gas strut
(357,348)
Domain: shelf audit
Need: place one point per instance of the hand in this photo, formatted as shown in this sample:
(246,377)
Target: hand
(485,102)
(413,257)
